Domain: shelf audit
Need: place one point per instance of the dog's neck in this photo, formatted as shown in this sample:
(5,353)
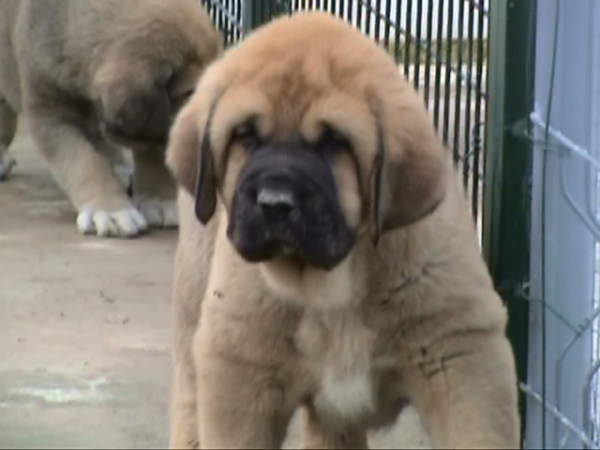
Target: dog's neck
(312,288)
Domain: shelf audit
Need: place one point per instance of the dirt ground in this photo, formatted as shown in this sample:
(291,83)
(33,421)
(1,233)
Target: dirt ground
(85,328)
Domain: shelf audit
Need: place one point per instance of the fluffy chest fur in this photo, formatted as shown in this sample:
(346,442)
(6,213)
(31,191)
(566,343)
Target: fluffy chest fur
(336,348)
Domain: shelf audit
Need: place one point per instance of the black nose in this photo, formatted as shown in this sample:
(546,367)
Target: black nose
(276,203)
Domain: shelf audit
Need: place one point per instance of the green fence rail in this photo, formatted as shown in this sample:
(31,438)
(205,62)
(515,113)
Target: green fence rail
(507,187)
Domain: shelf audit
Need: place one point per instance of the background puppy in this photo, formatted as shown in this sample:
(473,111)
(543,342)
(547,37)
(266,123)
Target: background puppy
(336,265)
(85,71)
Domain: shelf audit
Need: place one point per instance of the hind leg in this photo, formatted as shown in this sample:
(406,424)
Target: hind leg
(8,128)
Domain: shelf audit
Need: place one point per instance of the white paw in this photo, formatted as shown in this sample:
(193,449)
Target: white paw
(125,223)
(7,162)
(161,213)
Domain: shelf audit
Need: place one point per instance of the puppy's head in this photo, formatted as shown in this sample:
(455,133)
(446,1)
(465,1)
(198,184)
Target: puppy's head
(312,139)
(144,78)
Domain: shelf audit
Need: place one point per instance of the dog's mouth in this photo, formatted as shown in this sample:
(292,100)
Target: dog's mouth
(256,248)
(290,212)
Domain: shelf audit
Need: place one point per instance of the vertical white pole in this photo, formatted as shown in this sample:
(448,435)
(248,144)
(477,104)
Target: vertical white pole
(562,242)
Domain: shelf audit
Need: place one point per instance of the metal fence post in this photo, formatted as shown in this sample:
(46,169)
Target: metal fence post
(247,15)
(508,165)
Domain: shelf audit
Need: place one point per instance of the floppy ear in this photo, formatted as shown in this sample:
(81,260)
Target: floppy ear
(134,99)
(410,171)
(189,156)
(206,186)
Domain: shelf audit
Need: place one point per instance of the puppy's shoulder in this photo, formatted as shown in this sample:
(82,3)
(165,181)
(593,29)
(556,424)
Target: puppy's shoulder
(443,247)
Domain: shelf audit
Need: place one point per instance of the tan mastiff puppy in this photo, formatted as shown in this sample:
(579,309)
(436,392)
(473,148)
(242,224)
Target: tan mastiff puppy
(327,258)
(91,75)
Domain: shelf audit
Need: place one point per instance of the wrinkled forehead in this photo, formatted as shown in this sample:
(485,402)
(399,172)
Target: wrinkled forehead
(295,100)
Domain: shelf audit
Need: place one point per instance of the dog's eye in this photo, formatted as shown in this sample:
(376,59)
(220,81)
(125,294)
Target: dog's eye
(246,136)
(332,141)
(187,94)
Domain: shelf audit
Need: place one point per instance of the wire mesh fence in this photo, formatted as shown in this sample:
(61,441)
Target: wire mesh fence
(227,15)
(440,46)
(541,229)
(562,383)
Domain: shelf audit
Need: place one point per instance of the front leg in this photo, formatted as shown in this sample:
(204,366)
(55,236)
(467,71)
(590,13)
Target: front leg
(183,430)
(192,258)
(467,394)
(240,404)
(82,172)
(120,160)
(154,189)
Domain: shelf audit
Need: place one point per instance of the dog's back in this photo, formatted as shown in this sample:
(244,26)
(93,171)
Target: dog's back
(66,40)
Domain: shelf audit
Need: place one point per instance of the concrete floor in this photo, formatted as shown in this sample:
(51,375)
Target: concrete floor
(85,328)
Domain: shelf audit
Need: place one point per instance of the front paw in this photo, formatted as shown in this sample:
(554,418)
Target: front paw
(159,212)
(124,223)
